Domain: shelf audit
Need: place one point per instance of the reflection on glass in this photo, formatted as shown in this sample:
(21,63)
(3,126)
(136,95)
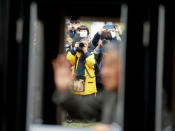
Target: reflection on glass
(163,115)
(87,75)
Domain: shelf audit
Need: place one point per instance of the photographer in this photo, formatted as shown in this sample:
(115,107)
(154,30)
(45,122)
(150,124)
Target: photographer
(113,29)
(117,29)
(83,63)
(105,39)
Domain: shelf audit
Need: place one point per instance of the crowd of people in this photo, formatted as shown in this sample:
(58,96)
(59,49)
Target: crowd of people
(88,73)
(86,54)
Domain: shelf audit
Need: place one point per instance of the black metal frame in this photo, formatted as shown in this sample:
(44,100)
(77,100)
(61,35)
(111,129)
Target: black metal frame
(140,60)
(13,65)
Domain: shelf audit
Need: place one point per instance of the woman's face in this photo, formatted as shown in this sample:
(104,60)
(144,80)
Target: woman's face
(110,70)
(83,33)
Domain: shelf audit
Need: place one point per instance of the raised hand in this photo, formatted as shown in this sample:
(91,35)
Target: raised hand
(101,127)
(100,44)
(85,48)
(76,46)
(102,30)
(62,73)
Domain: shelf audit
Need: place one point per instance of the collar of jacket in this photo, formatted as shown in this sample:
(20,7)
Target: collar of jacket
(78,54)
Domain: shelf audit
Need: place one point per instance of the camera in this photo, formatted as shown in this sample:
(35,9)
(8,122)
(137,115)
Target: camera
(81,45)
(104,41)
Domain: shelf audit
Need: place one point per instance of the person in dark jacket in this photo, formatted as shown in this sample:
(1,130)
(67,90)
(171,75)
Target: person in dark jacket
(104,105)
(71,31)
(73,26)
(105,38)
(110,28)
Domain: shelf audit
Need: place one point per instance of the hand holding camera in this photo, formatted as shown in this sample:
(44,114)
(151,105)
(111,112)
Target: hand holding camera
(117,27)
(103,29)
(85,46)
(76,46)
(81,46)
(102,43)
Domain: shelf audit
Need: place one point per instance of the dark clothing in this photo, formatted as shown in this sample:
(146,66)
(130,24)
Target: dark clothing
(99,53)
(71,33)
(98,57)
(96,39)
(80,71)
(103,105)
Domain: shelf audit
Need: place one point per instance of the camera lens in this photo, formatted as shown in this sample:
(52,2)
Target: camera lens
(104,41)
(81,45)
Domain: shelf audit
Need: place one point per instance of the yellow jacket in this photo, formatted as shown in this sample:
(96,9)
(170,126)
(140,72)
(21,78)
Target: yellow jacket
(90,83)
